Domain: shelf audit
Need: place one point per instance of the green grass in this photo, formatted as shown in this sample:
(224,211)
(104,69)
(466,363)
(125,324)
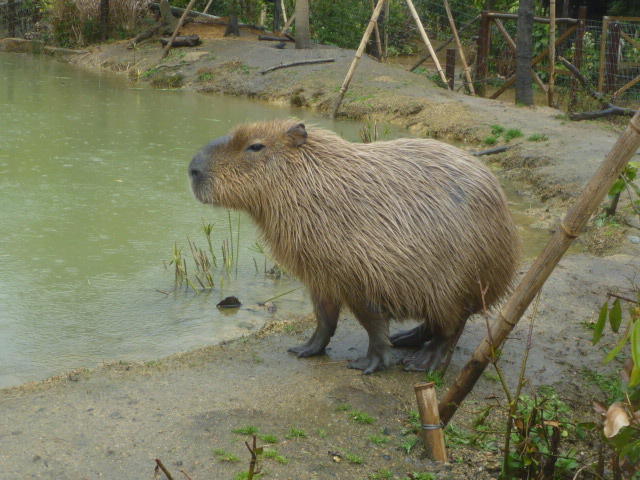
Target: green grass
(497,130)
(322,433)
(435,377)
(268,438)
(538,137)
(491,376)
(361,417)
(247,430)
(296,433)
(378,439)
(421,476)
(353,458)
(610,385)
(245,476)
(490,140)
(224,456)
(273,454)
(343,407)
(205,76)
(512,133)
(408,443)
(381,475)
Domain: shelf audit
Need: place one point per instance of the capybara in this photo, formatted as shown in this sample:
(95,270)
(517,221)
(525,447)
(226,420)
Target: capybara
(409,228)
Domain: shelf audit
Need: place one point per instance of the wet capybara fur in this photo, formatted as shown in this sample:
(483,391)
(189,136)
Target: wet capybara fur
(402,229)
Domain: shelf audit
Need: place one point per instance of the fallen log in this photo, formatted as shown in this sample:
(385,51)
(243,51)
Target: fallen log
(605,112)
(182,41)
(272,38)
(492,151)
(295,64)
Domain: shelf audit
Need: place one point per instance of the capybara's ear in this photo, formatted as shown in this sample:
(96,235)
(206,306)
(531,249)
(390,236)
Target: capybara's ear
(298,134)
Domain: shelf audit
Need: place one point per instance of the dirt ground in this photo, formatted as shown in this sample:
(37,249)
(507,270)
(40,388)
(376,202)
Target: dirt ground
(114,421)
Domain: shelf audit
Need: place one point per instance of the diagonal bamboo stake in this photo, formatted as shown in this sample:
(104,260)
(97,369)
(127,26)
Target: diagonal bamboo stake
(356,59)
(454,32)
(427,42)
(573,223)
(537,59)
(178,26)
(512,46)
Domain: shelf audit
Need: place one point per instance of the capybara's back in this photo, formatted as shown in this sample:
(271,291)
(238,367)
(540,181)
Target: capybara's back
(409,228)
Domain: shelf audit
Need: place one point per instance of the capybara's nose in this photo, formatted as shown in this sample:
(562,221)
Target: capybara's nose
(196,168)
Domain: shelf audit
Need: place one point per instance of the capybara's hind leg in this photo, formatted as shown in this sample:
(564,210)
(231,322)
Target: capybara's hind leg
(379,353)
(435,354)
(327,313)
(412,338)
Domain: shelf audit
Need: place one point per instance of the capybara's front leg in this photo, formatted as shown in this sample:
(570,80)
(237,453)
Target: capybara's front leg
(379,354)
(327,313)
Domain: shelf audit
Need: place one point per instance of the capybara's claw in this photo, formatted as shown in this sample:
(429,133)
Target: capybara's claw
(306,350)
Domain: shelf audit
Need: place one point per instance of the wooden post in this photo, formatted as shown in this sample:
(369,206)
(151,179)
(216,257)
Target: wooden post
(386,29)
(356,59)
(577,53)
(11,17)
(484,43)
(611,57)
(426,41)
(463,59)
(178,26)
(432,429)
(283,11)
(603,50)
(450,67)
(568,230)
(277,14)
(552,52)
(104,19)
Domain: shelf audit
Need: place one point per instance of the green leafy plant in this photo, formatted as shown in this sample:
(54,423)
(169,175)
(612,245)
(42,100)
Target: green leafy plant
(621,413)
(296,433)
(490,140)
(538,137)
(247,430)
(512,133)
(625,182)
(224,456)
(353,458)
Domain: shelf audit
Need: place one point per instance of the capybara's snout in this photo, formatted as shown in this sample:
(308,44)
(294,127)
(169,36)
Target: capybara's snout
(200,168)
(197,168)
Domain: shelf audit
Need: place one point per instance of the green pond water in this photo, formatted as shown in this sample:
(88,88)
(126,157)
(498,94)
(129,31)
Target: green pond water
(93,195)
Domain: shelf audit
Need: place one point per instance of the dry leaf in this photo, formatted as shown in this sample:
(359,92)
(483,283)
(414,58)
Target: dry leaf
(616,419)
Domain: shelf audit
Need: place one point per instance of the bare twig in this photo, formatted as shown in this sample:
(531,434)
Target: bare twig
(253,463)
(186,475)
(160,466)
(626,299)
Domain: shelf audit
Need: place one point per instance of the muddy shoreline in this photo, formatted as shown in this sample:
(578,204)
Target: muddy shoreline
(111,422)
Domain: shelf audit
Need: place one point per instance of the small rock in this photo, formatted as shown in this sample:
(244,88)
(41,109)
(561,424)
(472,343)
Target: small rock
(229,302)
(634,239)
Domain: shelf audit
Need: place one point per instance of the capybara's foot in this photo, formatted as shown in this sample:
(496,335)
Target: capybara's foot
(429,357)
(411,338)
(375,360)
(308,349)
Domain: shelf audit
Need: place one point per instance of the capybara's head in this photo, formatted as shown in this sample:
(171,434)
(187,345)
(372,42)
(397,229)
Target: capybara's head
(232,170)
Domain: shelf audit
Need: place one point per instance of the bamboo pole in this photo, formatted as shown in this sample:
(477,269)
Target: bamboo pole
(284,11)
(569,229)
(426,41)
(463,59)
(376,31)
(359,52)
(432,429)
(178,26)
(206,8)
(552,51)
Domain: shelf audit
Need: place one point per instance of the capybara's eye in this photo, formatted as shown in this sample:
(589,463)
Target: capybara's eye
(256,147)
